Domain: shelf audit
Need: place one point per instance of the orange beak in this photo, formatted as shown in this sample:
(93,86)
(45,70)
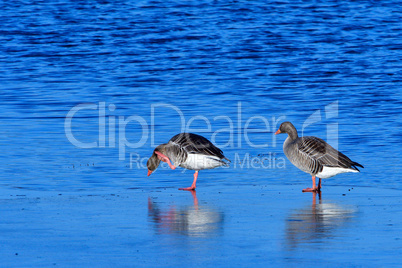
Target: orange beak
(278,132)
(149,172)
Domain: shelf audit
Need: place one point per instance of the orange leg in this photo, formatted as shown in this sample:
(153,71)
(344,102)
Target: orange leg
(314,188)
(192,188)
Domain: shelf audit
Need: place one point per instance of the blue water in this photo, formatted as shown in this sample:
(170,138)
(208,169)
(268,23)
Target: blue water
(231,71)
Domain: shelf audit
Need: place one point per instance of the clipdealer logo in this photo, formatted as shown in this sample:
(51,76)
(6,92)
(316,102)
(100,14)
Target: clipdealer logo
(236,132)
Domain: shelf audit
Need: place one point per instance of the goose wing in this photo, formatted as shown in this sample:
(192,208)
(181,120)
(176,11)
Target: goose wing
(187,143)
(321,153)
(196,144)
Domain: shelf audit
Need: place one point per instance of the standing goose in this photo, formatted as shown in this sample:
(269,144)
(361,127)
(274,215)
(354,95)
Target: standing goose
(190,151)
(314,156)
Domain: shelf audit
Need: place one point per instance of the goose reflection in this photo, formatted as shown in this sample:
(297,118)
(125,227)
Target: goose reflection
(193,220)
(316,223)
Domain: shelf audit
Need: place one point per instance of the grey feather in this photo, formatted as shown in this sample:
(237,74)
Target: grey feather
(312,154)
(178,148)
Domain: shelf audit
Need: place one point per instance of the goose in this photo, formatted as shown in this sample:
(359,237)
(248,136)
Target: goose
(314,156)
(190,151)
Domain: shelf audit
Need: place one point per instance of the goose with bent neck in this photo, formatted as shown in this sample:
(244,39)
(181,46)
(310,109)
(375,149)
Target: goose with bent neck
(190,151)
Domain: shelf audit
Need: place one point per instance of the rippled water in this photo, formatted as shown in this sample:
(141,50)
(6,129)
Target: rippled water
(229,70)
